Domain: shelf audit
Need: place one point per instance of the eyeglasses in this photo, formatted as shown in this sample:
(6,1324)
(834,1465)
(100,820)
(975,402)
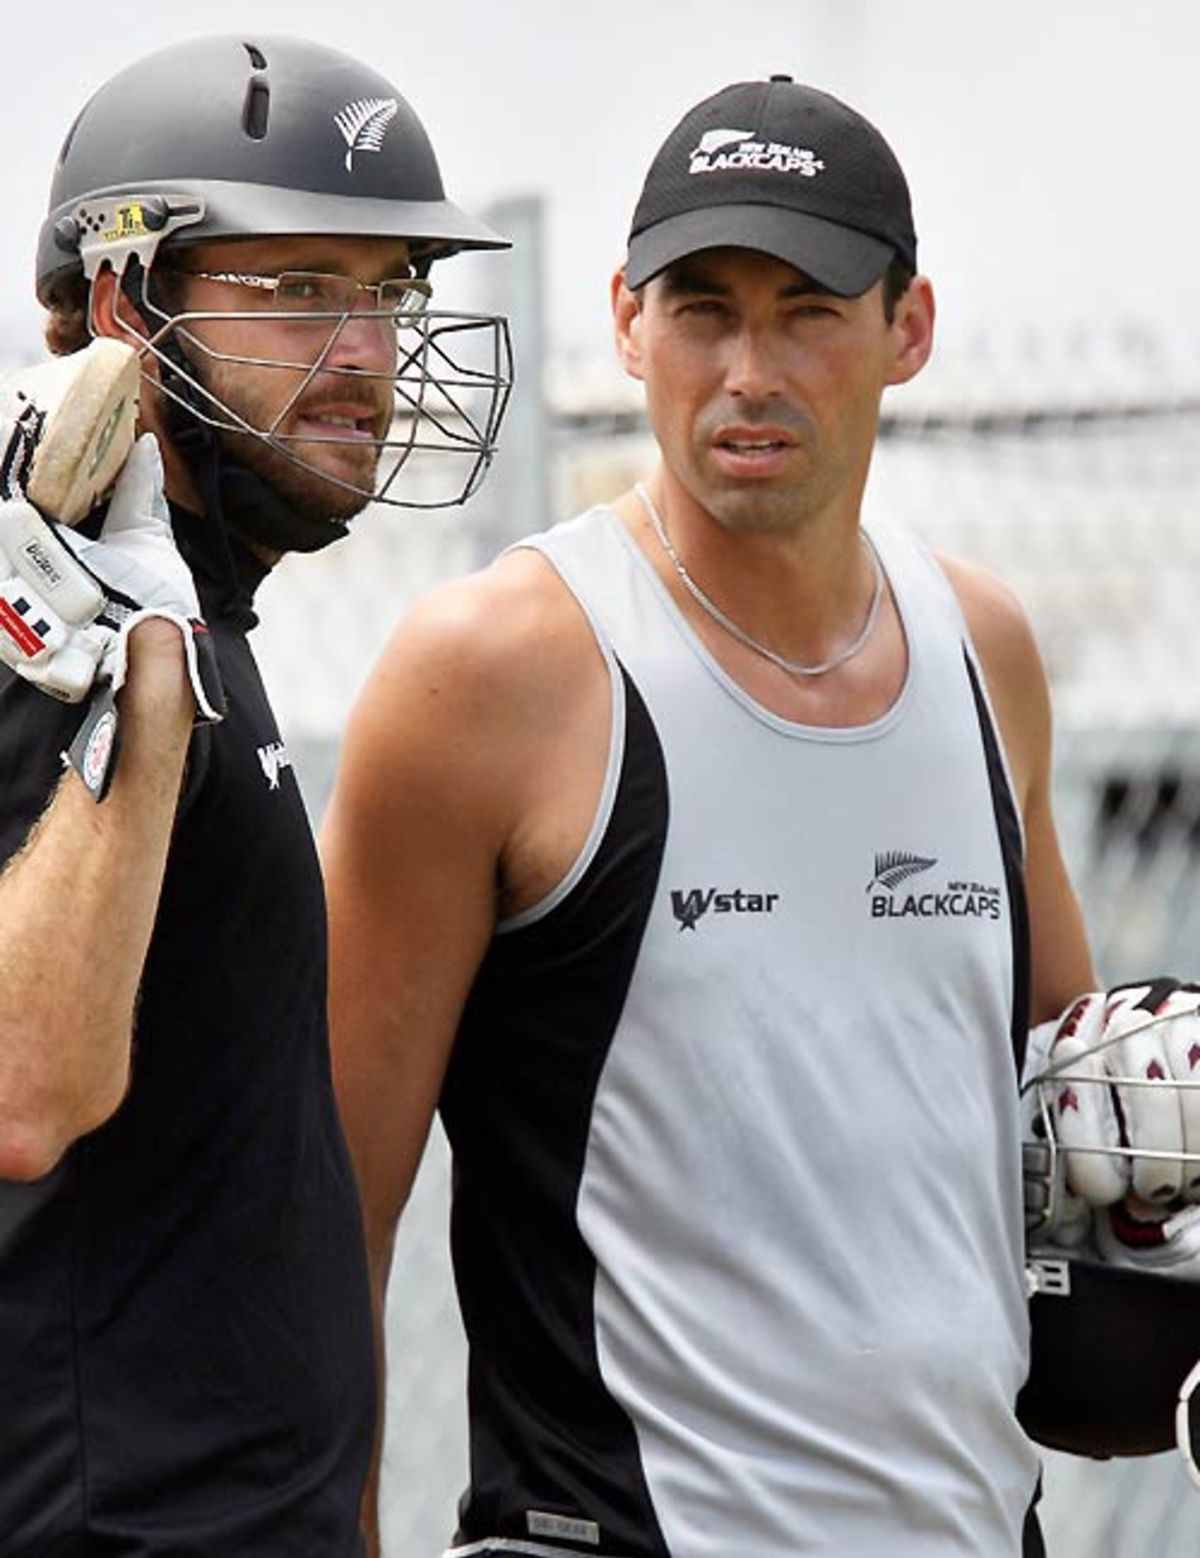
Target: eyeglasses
(317,292)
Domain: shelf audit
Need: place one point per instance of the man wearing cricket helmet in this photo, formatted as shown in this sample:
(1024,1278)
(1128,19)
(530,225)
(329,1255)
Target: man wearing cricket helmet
(186,1359)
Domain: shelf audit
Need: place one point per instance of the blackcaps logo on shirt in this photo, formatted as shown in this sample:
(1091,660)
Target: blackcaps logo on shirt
(956,900)
(691,906)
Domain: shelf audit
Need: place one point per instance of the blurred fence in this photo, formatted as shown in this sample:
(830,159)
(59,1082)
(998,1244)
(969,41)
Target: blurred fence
(1076,476)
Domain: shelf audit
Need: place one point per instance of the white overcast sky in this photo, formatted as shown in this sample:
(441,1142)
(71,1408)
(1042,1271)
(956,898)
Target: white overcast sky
(1051,147)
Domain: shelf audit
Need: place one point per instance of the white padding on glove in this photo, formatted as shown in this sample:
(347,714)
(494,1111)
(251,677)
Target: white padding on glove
(1120,1082)
(1168,1244)
(48,607)
(1083,1105)
(134,571)
(135,558)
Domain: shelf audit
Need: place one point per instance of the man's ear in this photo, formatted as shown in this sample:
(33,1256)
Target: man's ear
(111,311)
(627,325)
(912,330)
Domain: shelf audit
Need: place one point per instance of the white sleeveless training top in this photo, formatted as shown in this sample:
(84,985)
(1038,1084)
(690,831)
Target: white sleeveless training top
(737,1220)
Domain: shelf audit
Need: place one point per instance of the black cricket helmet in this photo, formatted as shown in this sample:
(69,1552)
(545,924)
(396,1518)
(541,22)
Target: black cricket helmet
(1112,1348)
(240,137)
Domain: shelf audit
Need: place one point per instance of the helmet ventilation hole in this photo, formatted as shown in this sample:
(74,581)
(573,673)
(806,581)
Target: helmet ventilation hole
(256,109)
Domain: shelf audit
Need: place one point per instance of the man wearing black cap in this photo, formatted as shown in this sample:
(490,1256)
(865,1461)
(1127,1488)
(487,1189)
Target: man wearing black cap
(697,860)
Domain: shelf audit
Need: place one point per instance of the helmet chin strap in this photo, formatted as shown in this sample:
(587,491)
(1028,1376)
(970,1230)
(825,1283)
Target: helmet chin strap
(253,510)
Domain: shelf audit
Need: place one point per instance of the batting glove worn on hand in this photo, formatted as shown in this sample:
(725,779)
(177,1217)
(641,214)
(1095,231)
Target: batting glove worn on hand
(72,602)
(1116,1085)
(48,607)
(143,575)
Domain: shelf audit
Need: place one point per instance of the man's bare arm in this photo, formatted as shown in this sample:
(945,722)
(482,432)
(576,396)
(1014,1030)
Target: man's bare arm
(77,907)
(1062,965)
(409,845)
(469,775)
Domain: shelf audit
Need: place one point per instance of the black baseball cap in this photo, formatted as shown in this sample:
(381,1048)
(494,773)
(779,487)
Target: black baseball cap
(780,167)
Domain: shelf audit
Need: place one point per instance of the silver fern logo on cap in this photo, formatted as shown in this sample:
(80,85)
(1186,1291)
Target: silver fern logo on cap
(364,123)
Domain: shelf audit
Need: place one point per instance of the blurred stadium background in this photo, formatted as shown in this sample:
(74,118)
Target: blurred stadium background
(1049,148)
(1071,467)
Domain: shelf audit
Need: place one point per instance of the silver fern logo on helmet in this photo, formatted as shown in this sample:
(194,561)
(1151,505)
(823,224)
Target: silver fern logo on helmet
(364,123)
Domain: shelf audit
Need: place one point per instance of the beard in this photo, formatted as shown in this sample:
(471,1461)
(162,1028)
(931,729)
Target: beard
(320,478)
(301,486)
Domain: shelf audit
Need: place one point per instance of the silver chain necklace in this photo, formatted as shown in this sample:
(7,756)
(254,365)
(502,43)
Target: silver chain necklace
(792,667)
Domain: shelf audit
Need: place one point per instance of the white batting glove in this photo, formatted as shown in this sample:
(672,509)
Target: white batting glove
(48,607)
(1150,1239)
(1118,1081)
(143,575)
(72,602)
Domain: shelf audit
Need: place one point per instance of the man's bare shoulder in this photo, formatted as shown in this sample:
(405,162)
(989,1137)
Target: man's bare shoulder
(485,714)
(509,630)
(999,626)
(479,675)
(1012,666)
